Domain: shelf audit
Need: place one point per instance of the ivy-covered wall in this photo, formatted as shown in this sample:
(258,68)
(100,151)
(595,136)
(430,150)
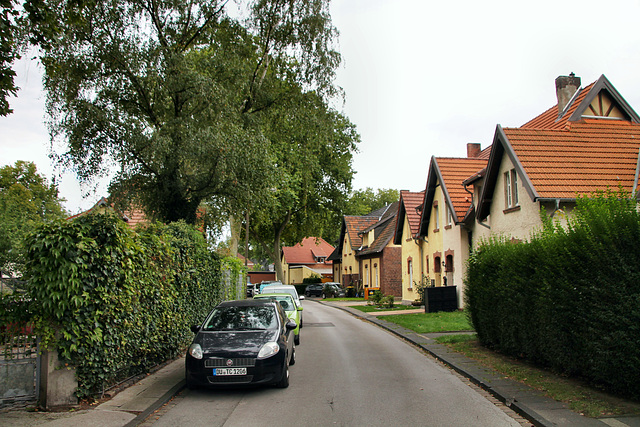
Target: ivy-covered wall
(568,299)
(115,302)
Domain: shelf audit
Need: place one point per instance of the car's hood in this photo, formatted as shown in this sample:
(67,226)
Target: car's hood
(240,343)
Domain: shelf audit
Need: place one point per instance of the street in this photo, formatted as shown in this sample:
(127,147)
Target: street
(348,372)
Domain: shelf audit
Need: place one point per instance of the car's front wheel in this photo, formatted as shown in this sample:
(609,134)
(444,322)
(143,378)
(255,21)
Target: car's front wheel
(284,381)
(296,340)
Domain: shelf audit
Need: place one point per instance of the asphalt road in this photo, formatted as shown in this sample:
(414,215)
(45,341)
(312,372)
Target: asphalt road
(348,373)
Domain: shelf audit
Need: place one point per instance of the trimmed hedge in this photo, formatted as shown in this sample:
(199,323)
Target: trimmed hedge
(115,302)
(568,299)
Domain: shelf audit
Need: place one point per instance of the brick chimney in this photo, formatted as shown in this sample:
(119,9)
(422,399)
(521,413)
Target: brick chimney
(566,87)
(473,150)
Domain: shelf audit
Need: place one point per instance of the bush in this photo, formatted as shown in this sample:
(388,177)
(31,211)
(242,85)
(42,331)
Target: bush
(115,302)
(569,298)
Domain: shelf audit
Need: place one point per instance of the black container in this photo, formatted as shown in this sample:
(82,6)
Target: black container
(443,298)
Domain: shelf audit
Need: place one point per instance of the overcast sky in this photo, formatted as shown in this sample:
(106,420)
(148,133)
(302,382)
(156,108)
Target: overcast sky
(423,78)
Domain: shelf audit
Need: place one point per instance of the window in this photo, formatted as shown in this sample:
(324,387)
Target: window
(435,211)
(449,216)
(410,272)
(510,189)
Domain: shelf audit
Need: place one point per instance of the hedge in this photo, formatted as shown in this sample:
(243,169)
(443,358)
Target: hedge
(570,297)
(115,302)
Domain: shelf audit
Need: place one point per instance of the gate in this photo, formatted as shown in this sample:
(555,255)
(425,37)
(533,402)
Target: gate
(19,366)
(19,359)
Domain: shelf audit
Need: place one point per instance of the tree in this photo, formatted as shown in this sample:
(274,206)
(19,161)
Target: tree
(26,199)
(171,92)
(34,22)
(361,202)
(314,147)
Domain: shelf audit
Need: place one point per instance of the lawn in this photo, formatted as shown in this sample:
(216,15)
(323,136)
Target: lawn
(373,308)
(432,322)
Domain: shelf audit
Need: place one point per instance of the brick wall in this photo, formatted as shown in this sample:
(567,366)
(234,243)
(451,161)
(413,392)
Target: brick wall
(391,271)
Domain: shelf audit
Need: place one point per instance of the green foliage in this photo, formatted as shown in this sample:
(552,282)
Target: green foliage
(361,202)
(568,299)
(184,109)
(314,278)
(419,288)
(26,199)
(115,302)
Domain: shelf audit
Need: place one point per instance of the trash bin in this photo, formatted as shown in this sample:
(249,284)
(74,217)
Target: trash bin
(442,298)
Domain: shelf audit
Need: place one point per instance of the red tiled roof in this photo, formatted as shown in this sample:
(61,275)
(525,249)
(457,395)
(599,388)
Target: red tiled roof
(584,157)
(454,171)
(410,202)
(550,119)
(307,251)
(354,225)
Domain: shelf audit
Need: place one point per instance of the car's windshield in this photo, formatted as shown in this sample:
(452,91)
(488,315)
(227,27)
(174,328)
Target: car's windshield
(285,301)
(242,318)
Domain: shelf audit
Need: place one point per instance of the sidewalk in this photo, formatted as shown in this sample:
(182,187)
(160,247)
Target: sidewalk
(133,405)
(529,403)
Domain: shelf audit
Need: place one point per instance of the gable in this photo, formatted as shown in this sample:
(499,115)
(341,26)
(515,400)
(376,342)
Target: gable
(599,99)
(450,173)
(409,211)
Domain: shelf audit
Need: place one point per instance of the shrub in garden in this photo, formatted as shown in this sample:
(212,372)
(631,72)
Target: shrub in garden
(569,298)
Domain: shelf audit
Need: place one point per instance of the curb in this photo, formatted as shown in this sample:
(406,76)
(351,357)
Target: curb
(157,404)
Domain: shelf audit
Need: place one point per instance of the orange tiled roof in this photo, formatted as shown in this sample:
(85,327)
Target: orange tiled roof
(411,201)
(307,251)
(354,225)
(453,172)
(584,157)
(550,119)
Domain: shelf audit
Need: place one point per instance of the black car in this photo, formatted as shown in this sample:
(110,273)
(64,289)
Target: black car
(244,342)
(313,290)
(332,290)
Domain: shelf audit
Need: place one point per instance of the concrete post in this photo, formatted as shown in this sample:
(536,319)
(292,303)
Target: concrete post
(57,382)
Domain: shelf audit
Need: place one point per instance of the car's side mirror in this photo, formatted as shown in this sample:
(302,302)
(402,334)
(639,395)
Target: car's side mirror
(300,308)
(291,325)
(195,328)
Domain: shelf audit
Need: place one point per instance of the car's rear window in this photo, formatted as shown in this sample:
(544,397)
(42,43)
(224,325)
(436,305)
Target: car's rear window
(242,318)
(285,301)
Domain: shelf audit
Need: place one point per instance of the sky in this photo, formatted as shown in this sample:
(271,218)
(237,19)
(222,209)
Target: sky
(421,79)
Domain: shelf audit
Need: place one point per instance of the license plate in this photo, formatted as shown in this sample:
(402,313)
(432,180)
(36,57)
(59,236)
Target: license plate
(229,371)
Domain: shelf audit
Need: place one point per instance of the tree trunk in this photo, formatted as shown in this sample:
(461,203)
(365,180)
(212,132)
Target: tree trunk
(235,225)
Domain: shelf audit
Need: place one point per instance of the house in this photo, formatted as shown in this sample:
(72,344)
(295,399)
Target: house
(589,141)
(132,217)
(444,234)
(413,260)
(366,256)
(305,259)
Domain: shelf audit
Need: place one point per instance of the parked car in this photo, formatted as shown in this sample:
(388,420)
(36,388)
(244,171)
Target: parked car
(332,290)
(243,342)
(251,290)
(313,290)
(286,289)
(266,283)
(293,312)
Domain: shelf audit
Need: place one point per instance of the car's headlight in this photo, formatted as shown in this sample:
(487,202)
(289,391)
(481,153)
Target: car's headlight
(195,351)
(268,350)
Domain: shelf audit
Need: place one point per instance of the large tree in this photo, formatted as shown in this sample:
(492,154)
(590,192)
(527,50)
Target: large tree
(171,93)
(313,146)
(26,199)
